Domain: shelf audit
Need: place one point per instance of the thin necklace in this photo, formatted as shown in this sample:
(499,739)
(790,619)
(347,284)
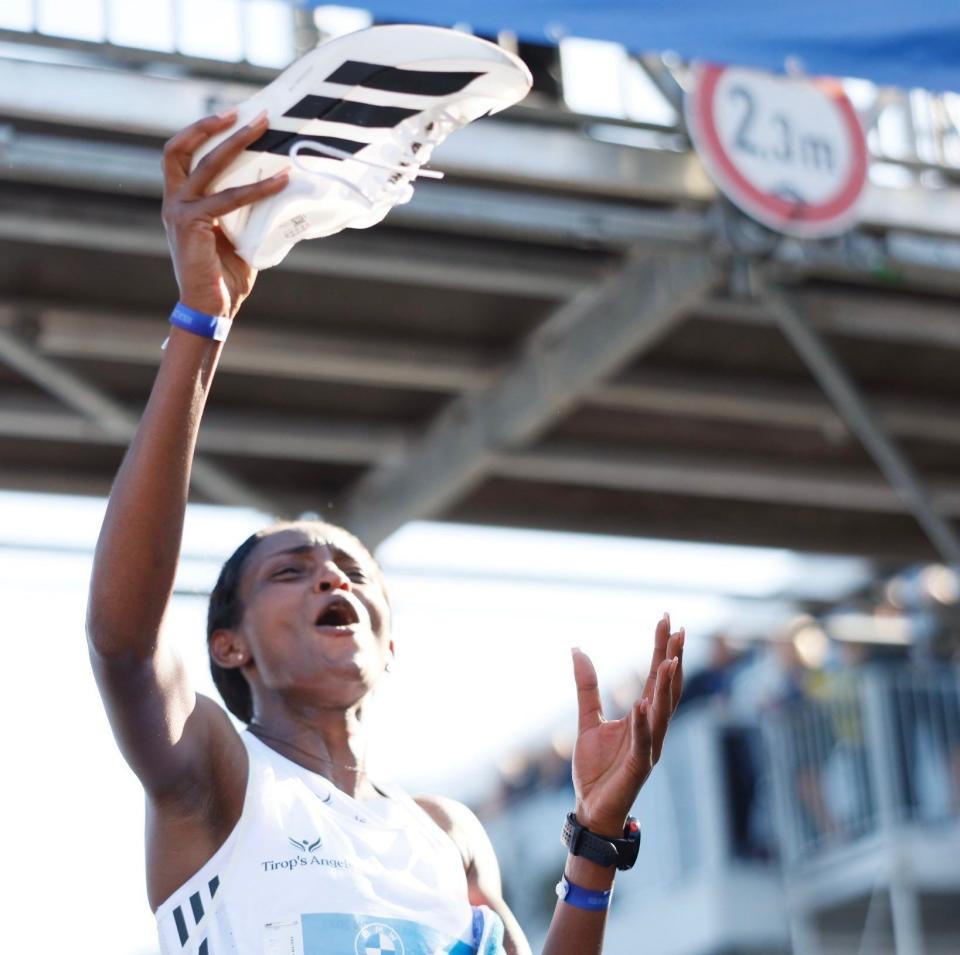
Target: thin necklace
(259,732)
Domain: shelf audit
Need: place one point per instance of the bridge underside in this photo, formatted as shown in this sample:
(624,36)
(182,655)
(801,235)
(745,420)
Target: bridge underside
(566,333)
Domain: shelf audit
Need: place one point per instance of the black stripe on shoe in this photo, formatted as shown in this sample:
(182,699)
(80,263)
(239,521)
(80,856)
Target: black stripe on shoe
(280,141)
(203,950)
(213,885)
(345,111)
(416,82)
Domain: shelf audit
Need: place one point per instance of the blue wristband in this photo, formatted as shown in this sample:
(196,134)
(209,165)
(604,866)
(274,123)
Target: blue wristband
(581,898)
(198,323)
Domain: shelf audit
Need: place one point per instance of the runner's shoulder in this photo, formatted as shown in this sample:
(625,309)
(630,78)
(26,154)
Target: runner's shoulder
(458,821)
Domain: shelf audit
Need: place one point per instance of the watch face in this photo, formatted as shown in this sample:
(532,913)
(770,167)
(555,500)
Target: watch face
(563,889)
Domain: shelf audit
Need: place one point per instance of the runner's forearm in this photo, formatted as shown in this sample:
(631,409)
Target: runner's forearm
(139,545)
(575,931)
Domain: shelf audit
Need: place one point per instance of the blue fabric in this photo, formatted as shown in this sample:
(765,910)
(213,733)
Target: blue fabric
(199,323)
(581,898)
(344,934)
(487,931)
(908,43)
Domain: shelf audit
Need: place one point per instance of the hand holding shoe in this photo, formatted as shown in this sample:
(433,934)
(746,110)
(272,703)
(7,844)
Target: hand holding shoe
(212,278)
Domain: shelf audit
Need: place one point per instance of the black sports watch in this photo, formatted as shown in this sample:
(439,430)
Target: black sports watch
(606,852)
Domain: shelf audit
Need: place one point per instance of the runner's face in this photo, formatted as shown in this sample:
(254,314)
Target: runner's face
(315,615)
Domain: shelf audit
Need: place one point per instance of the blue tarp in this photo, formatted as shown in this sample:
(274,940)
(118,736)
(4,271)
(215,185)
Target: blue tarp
(892,42)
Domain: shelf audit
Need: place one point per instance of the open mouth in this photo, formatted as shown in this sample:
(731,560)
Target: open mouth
(338,613)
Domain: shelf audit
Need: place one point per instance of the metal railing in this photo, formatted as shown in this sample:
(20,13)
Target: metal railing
(252,32)
(745,813)
(699,854)
(868,751)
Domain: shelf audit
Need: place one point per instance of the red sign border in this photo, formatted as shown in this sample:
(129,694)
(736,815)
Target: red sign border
(707,77)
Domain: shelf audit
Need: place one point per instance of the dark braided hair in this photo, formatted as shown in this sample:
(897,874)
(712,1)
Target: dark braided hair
(226,610)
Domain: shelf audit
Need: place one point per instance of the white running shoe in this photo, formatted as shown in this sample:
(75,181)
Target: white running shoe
(358,117)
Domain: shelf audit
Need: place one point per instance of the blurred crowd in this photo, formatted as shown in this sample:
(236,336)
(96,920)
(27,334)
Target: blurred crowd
(808,680)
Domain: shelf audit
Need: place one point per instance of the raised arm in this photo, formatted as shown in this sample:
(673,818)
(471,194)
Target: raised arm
(162,731)
(611,761)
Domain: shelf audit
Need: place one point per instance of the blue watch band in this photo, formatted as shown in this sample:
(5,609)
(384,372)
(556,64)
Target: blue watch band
(581,898)
(198,323)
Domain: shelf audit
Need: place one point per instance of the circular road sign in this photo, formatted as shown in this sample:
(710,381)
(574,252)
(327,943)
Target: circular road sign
(789,152)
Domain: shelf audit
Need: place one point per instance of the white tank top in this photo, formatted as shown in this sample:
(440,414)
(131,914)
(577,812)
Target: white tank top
(309,870)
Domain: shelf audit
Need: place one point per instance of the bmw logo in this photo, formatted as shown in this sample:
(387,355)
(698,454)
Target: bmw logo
(378,939)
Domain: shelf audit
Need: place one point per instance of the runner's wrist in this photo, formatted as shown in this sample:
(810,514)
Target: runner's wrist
(588,874)
(185,340)
(199,324)
(206,304)
(610,827)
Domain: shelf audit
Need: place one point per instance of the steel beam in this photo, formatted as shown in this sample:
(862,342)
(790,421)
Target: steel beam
(869,315)
(114,420)
(708,476)
(449,369)
(523,214)
(581,344)
(856,411)
(538,154)
(236,435)
(265,352)
(138,58)
(770,404)
(663,77)
(415,262)
(683,475)
(474,210)
(74,333)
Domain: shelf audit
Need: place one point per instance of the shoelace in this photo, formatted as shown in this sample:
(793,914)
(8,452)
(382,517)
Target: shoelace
(440,125)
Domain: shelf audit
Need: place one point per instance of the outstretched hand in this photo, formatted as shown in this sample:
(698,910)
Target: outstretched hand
(613,758)
(213,279)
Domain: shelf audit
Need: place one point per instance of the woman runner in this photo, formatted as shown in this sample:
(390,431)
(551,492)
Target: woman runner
(276,840)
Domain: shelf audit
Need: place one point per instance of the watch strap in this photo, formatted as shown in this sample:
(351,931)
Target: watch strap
(602,850)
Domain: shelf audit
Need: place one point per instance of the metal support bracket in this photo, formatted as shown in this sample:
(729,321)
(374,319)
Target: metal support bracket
(578,346)
(855,410)
(115,420)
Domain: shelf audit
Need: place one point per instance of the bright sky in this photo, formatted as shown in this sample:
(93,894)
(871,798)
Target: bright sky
(484,622)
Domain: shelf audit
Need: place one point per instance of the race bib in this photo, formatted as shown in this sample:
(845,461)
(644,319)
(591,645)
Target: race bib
(344,934)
